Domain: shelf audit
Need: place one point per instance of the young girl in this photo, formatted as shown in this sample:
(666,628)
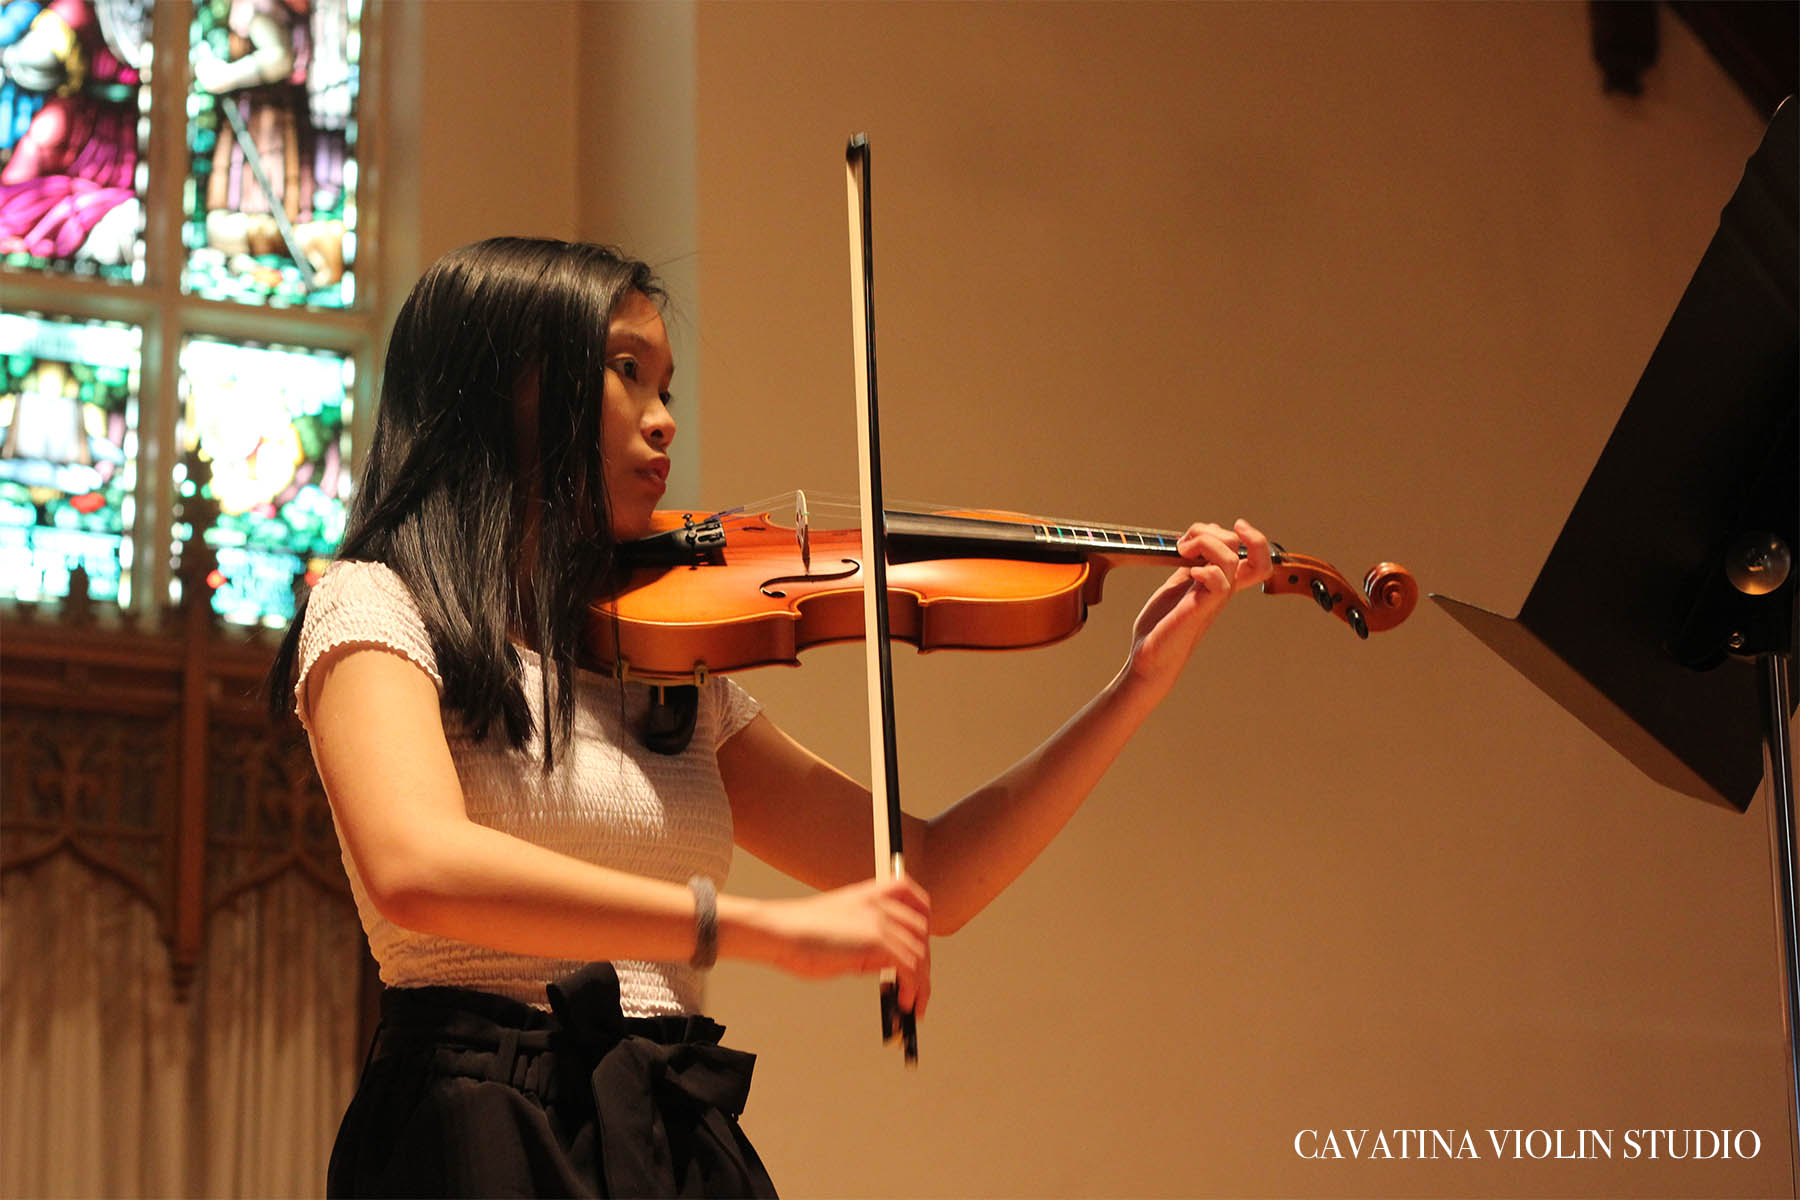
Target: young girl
(539,885)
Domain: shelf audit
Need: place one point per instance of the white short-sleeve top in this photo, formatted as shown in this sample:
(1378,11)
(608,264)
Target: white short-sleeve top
(609,800)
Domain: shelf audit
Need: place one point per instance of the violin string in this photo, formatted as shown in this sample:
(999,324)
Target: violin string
(781,502)
(838,504)
(1065,523)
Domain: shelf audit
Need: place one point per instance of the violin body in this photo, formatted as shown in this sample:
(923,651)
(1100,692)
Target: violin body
(760,593)
(758,604)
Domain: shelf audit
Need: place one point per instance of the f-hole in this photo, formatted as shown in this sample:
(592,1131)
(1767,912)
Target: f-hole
(772,588)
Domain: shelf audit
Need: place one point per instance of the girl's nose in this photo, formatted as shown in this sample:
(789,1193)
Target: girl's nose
(659,425)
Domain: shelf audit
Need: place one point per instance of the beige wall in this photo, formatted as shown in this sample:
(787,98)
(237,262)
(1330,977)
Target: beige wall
(498,135)
(1379,277)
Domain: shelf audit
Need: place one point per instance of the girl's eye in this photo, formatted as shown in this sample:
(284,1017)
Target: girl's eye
(627,368)
(667,398)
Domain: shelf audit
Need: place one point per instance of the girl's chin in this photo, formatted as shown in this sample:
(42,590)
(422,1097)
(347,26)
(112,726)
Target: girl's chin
(630,529)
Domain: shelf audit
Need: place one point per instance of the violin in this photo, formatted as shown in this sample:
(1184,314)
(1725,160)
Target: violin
(733,591)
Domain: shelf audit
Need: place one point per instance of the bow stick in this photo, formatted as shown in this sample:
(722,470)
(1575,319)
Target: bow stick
(884,768)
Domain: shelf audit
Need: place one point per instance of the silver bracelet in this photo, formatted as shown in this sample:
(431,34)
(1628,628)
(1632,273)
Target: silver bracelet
(706,921)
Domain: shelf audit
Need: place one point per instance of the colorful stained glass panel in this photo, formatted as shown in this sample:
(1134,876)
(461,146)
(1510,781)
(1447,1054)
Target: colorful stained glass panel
(68,455)
(271,189)
(272,423)
(74,124)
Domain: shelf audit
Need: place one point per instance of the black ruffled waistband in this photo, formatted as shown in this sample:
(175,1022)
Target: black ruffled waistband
(666,1095)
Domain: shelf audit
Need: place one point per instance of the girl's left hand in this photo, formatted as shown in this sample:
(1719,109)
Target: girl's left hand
(1179,613)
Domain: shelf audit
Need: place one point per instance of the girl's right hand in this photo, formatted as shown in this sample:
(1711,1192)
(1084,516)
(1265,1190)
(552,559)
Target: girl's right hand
(859,929)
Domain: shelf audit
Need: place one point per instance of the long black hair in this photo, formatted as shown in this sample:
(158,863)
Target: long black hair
(444,495)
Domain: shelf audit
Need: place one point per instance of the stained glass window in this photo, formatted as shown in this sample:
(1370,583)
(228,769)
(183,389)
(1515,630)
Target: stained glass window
(271,190)
(271,422)
(68,455)
(262,210)
(74,122)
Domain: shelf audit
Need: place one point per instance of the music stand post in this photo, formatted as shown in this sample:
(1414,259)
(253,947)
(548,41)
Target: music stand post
(1775,670)
(1664,616)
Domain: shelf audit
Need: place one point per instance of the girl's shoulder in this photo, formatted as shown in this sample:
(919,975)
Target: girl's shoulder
(362,604)
(365,598)
(350,580)
(735,708)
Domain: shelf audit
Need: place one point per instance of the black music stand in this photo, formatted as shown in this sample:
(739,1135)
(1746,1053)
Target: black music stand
(1630,595)
(1666,606)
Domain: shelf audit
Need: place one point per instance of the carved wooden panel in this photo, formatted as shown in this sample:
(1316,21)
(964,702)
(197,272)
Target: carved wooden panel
(143,749)
(266,815)
(102,787)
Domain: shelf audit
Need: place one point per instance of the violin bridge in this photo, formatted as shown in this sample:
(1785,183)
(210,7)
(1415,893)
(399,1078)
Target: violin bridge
(801,532)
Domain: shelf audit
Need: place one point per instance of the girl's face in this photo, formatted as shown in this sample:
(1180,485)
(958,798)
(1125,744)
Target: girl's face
(635,426)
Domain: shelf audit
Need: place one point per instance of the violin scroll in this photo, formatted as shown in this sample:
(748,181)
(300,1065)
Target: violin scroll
(1387,597)
(1391,588)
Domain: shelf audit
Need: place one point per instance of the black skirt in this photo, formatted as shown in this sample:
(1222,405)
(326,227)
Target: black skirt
(471,1094)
